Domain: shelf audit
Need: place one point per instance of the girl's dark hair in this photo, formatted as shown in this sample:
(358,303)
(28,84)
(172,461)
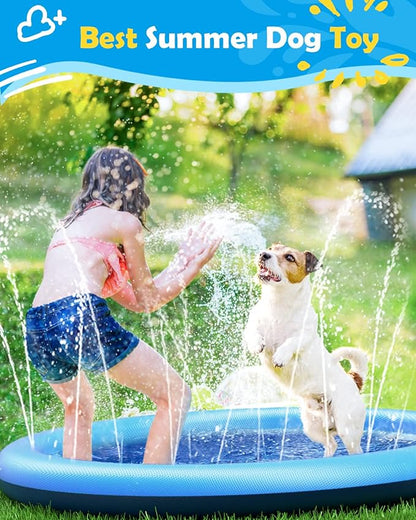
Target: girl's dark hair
(115,177)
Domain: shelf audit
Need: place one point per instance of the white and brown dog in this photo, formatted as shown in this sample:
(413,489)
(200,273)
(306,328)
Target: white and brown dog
(282,328)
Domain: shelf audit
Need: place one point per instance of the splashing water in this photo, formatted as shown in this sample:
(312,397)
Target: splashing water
(379,317)
(230,285)
(372,415)
(9,224)
(229,294)
(6,346)
(16,298)
(393,211)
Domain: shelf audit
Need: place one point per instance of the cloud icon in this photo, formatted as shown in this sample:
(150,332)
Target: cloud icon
(27,31)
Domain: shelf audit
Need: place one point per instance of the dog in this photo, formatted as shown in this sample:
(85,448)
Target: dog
(282,329)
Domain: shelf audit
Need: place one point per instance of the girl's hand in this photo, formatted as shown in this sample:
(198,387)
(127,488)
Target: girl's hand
(199,246)
(195,251)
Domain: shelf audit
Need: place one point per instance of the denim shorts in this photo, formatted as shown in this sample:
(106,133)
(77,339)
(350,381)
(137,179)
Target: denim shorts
(75,333)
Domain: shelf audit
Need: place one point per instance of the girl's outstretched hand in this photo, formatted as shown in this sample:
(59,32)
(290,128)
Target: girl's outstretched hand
(199,246)
(194,252)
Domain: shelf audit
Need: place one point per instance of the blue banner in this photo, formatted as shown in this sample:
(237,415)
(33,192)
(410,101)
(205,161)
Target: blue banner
(218,46)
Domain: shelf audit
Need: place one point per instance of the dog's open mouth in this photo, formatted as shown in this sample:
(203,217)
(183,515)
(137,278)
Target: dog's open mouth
(266,275)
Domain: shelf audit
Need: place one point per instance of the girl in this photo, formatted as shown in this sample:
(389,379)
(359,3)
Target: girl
(96,253)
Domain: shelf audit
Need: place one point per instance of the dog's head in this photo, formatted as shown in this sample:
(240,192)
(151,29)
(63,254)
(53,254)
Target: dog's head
(282,264)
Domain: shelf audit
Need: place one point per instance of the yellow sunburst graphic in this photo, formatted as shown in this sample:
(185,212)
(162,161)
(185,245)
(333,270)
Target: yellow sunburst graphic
(392,60)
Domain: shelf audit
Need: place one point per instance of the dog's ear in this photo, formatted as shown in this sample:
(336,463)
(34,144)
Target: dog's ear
(312,263)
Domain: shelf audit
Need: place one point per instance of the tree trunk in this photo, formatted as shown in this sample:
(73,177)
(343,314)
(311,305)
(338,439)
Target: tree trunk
(236,153)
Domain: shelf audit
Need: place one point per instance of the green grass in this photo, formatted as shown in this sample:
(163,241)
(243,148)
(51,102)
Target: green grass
(10,510)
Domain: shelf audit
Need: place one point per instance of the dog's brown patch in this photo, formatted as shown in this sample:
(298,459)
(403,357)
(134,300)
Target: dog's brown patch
(357,379)
(296,265)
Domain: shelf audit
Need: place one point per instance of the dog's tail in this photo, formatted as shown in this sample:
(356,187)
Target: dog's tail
(358,360)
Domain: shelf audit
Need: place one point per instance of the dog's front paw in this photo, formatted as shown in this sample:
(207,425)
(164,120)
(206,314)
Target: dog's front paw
(256,345)
(281,358)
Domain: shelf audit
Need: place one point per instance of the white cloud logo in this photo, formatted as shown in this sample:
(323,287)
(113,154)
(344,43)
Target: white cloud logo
(43,28)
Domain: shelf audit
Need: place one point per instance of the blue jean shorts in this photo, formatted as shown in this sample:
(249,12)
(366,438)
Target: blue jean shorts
(75,333)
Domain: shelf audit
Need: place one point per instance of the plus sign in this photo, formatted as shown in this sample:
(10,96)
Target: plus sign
(59,18)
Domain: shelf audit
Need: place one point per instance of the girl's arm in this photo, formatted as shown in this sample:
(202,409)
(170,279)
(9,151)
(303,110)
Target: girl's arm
(147,294)
(127,299)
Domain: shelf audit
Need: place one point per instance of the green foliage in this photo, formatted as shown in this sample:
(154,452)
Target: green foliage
(54,129)
(200,148)
(201,144)
(45,129)
(129,109)
(182,160)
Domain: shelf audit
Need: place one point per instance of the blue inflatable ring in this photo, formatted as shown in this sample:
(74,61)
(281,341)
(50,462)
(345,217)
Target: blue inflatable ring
(42,476)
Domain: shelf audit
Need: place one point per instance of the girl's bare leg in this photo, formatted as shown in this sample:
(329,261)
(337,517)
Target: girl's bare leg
(78,399)
(146,371)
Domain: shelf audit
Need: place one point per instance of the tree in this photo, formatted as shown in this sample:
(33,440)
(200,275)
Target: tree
(129,109)
(241,117)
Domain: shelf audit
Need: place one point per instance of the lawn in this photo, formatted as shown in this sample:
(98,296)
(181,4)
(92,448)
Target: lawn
(363,292)
(401,511)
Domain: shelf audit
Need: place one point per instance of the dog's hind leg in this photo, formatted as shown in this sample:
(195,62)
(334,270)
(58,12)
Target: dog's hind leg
(330,445)
(351,437)
(350,429)
(353,445)
(314,426)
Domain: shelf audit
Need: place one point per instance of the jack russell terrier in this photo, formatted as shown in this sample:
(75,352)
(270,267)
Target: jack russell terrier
(282,329)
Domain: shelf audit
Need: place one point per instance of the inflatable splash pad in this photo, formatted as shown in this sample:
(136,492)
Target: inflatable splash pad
(236,461)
